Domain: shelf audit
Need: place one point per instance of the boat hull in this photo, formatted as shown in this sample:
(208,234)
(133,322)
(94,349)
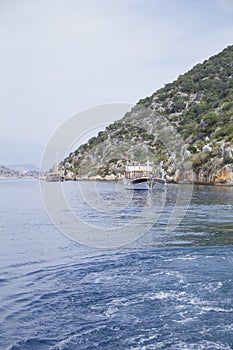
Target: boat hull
(55,179)
(140,184)
(146,184)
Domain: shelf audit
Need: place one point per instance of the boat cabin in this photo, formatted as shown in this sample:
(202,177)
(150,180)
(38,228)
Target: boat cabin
(135,172)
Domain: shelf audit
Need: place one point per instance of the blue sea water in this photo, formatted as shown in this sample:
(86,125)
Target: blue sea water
(167,290)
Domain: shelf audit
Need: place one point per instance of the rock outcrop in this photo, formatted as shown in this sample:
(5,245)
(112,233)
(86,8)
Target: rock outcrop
(188,124)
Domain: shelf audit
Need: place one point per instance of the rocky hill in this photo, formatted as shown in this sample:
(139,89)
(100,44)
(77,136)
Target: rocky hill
(18,172)
(188,124)
(6,172)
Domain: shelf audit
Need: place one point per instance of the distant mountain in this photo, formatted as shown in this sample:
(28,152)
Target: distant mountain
(187,121)
(27,171)
(23,168)
(6,172)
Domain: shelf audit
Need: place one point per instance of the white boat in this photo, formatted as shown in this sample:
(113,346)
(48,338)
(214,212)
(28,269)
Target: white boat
(141,177)
(55,174)
(55,177)
(141,183)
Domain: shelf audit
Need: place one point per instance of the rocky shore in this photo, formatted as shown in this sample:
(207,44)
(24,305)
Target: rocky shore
(222,177)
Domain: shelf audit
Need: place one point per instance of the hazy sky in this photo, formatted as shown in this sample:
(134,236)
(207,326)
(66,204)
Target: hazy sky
(61,56)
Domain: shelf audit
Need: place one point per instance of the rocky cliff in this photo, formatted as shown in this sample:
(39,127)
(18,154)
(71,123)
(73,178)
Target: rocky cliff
(187,124)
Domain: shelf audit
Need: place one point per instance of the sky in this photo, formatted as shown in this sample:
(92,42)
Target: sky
(59,57)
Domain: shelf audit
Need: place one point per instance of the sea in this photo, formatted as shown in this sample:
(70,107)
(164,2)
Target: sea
(159,276)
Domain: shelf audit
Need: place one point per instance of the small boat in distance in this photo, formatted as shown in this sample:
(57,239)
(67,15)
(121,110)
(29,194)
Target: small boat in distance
(54,177)
(141,177)
(55,174)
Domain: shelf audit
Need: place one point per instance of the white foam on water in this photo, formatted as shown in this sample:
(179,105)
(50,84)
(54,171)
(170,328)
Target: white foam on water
(201,345)
(73,339)
(111,311)
(141,339)
(228,327)
(212,286)
(165,295)
(216,309)
(185,319)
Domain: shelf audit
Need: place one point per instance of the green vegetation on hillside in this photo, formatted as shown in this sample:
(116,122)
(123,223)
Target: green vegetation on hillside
(198,105)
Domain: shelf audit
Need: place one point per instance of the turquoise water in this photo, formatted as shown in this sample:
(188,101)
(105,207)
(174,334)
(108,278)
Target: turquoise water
(167,290)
